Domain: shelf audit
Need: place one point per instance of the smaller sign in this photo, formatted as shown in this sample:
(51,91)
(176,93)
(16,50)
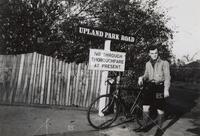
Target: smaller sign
(106,35)
(106,60)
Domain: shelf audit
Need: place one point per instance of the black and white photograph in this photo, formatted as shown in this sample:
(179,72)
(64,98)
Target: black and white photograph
(99,68)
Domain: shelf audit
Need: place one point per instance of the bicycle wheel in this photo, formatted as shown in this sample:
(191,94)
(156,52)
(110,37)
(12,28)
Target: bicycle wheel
(107,114)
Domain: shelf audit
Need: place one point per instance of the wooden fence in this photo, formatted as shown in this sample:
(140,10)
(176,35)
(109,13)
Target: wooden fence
(37,79)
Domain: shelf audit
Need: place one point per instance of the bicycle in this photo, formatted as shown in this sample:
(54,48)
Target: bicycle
(103,118)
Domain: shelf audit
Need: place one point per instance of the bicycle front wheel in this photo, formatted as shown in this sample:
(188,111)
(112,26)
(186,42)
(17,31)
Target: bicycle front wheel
(102,112)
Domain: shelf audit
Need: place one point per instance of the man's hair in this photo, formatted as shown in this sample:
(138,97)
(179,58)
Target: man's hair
(152,48)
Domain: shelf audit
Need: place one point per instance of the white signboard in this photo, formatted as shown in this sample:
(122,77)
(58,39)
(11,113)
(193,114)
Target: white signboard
(106,35)
(106,60)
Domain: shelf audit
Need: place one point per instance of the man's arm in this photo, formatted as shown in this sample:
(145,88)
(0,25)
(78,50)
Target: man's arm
(167,78)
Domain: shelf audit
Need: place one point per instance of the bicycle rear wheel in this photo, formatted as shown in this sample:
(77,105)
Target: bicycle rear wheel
(106,116)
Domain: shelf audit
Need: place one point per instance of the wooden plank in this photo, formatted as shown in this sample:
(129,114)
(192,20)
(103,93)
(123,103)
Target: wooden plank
(9,78)
(46,79)
(8,74)
(25,78)
(89,87)
(49,80)
(86,86)
(40,79)
(20,91)
(92,87)
(34,78)
(14,87)
(65,83)
(21,94)
(20,78)
(30,61)
(71,84)
(81,86)
(52,80)
(63,77)
(5,74)
(31,78)
(61,83)
(97,85)
(68,83)
(54,84)
(12,78)
(36,87)
(80,83)
(58,83)
(74,84)
(43,80)
(28,74)
(2,78)
(76,90)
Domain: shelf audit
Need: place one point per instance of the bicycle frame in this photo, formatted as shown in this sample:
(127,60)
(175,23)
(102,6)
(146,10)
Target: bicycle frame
(116,94)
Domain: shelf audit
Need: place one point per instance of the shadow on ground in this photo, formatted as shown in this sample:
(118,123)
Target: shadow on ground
(77,133)
(184,102)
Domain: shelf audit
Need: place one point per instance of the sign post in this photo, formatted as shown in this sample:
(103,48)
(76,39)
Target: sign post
(106,60)
(103,81)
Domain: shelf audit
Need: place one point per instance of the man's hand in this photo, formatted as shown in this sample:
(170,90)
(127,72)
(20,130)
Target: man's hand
(140,81)
(166,93)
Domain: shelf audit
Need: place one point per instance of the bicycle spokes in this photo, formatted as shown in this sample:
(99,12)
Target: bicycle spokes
(102,121)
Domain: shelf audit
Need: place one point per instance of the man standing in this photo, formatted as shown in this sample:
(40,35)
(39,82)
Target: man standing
(157,78)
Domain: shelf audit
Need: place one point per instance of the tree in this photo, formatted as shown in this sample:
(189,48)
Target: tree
(142,21)
(26,24)
(54,25)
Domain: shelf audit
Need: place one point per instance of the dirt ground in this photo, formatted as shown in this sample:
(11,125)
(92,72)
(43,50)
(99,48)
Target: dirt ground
(184,106)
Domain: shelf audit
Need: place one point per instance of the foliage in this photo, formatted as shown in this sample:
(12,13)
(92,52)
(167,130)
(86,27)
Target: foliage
(140,20)
(26,24)
(186,73)
(49,27)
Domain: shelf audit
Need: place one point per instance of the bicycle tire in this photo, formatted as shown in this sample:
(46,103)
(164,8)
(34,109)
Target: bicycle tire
(92,115)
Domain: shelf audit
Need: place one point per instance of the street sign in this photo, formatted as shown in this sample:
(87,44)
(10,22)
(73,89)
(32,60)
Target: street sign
(106,60)
(106,34)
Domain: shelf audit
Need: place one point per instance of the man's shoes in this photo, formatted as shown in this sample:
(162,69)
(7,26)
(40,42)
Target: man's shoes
(159,132)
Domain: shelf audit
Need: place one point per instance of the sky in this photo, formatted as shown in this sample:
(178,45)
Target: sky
(185,19)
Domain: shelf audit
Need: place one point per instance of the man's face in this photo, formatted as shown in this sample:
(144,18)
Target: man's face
(153,54)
